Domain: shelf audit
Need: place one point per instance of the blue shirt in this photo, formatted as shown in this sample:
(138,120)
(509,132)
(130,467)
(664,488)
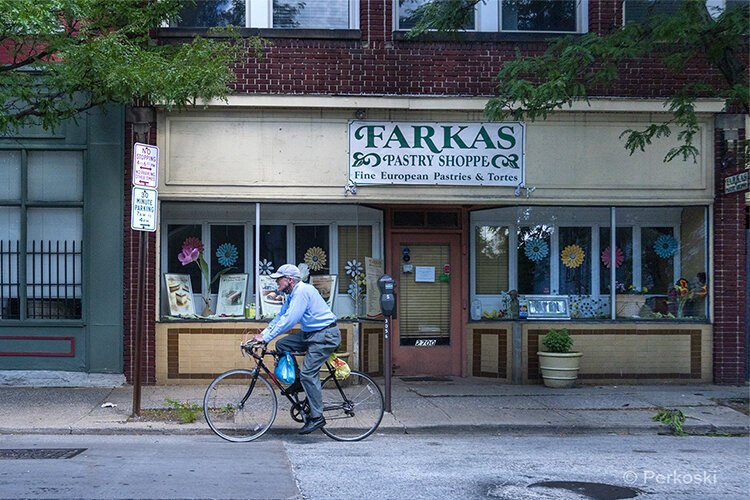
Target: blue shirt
(304,306)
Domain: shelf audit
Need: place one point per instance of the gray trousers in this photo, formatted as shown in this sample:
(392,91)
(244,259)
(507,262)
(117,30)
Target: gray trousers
(319,346)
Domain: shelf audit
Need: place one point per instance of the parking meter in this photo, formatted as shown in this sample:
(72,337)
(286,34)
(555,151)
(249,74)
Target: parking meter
(388,306)
(387,295)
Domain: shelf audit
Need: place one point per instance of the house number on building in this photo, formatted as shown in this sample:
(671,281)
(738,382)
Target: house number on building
(425,343)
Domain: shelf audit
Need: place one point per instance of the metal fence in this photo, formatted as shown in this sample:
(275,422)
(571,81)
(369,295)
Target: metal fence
(52,288)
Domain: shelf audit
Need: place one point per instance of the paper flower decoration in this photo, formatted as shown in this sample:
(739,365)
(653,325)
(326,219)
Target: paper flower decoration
(315,258)
(353,268)
(353,290)
(265,267)
(607,257)
(304,271)
(572,256)
(665,246)
(227,254)
(536,249)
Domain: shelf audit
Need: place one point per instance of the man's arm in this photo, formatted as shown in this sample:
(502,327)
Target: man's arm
(291,313)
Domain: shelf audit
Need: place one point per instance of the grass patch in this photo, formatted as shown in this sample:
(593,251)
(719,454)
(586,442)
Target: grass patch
(675,419)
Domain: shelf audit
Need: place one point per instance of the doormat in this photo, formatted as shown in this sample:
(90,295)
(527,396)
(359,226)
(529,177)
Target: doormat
(426,379)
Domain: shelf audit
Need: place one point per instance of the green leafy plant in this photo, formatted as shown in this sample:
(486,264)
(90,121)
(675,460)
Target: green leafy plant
(558,340)
(187,412)
(675,419)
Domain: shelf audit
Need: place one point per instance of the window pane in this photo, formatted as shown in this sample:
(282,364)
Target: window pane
(408,14)
(55,175)
(491,259)
(658,248)
(176,236)
(312,248)
(640,11)
(355,243)
(693,265)
(10,231)
(534,259)
(622,258)
(10,175)
(227,251)
(326,14)
(539,15)
(53,263)
(575,261)
(272,248)
(208,13)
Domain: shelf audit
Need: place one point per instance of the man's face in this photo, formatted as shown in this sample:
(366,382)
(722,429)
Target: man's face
(284,284)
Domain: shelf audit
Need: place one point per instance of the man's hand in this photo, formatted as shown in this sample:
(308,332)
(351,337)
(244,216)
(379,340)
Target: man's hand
(258,339)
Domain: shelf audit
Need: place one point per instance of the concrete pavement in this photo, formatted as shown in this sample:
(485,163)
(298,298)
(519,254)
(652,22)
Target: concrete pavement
(418,406)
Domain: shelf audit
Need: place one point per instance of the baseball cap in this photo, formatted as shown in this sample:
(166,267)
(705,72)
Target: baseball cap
(287,270)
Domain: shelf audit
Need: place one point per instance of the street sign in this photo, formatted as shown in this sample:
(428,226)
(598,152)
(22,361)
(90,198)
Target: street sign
(145,165)
(734,183)
(143,210)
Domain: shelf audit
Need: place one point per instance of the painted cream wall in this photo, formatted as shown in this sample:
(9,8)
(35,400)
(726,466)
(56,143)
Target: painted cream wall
(276,154)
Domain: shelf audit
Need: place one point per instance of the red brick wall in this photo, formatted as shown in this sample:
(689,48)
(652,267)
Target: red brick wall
(729,278)
(131,262)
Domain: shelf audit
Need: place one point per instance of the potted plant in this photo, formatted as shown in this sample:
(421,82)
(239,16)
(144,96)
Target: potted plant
(558,364)
(630,300)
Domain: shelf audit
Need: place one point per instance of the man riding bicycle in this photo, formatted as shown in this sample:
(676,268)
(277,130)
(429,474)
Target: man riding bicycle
(319,337)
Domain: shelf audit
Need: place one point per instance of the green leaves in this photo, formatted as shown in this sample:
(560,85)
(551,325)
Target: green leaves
(66,56)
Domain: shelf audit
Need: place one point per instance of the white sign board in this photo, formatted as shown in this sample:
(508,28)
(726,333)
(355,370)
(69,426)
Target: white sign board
(735,183)
(145,165)
(143,210)
(425,274)
(410,153)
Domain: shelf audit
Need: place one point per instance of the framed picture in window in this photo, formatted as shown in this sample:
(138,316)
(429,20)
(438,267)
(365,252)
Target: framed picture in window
(231,298)
(270,299)
(326,286)
(180,294)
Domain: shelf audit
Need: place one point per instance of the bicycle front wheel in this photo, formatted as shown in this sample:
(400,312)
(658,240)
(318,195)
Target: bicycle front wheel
(237,410)
(353,408)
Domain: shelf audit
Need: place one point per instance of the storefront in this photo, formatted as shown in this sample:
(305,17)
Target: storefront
(470,218)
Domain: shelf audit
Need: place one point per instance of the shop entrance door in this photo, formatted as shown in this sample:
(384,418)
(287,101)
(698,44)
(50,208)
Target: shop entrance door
(427,333)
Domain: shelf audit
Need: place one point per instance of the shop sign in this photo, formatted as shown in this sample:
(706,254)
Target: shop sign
(734,183)
(410,153)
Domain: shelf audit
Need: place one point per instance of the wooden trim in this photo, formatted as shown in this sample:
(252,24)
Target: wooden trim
(69,354)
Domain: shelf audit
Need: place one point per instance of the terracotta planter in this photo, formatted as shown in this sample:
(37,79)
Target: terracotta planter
(559,369)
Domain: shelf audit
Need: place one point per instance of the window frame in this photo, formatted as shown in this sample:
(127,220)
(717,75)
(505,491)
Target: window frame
(488,19)
(24,203)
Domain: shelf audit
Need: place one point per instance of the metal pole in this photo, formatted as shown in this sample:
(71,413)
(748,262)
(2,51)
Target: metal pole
(139,306)
(387,364)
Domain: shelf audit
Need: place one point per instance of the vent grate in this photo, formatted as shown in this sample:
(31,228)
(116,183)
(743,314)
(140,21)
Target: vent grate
(39,453)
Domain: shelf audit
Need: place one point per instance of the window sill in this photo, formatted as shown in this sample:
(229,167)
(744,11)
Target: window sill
(481,36)
(320,34)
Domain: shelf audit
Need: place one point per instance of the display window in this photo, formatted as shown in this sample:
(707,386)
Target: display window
(205,241)
(655,267)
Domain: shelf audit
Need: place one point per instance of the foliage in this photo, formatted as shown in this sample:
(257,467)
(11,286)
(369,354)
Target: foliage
(558,341)
(573,67)
(62,57)
(187,412)
(675,419)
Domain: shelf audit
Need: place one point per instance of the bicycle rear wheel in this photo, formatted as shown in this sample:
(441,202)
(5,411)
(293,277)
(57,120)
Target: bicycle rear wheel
(353,408)
(234,411)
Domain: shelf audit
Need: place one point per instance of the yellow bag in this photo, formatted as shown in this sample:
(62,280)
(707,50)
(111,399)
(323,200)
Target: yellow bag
(342,370)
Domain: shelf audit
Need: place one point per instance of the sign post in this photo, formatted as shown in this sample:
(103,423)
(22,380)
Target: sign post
(144,205)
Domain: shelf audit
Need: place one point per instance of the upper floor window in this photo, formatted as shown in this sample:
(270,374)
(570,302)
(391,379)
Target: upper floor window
(282,14)
(639,11)
(527,16)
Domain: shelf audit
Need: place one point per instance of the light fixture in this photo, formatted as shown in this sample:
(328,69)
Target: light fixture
(360,114)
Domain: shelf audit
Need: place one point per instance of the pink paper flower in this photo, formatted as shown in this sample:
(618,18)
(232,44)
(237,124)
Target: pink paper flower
(607,258)
(188,255)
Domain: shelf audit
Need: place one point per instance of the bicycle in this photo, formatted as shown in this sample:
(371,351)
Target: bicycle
(240,405)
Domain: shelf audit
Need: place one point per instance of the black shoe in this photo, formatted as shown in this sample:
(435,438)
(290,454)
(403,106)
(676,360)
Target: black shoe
(313,424)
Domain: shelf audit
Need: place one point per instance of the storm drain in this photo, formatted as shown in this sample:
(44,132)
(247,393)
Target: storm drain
(426,379)
(598,491)
(39,453)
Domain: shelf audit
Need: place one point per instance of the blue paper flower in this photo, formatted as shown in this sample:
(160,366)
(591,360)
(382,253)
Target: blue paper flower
(227,254)
(265,267)
(536,249)
(353,290)
(665,246)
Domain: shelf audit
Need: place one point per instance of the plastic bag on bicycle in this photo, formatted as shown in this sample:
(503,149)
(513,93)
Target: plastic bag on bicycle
(341,367)
(284,370)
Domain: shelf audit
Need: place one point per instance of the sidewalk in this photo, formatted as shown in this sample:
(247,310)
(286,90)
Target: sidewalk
(432,406)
